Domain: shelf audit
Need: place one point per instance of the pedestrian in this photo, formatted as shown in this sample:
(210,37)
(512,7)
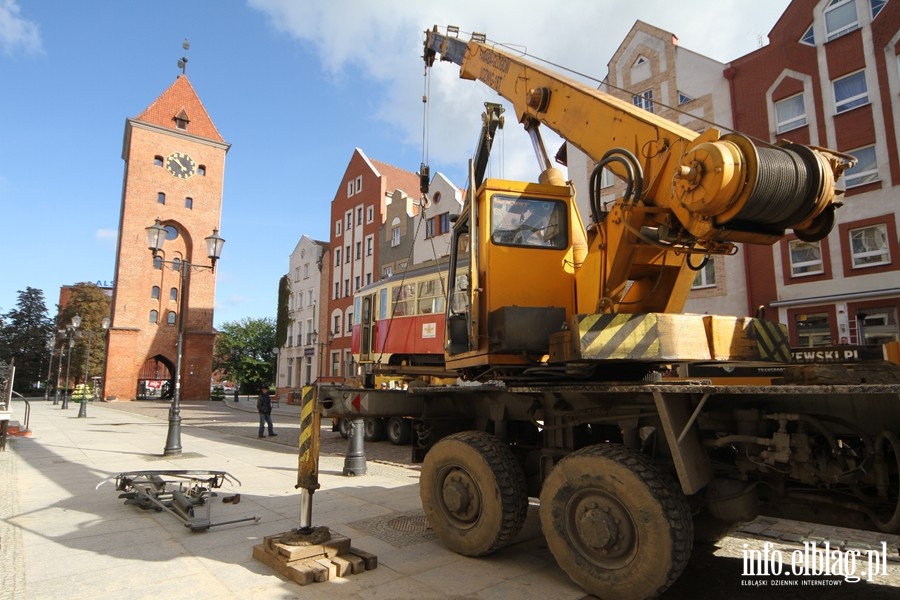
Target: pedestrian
(264,406)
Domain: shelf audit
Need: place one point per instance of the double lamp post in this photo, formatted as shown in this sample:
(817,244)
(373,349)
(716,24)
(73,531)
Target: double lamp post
(156,235)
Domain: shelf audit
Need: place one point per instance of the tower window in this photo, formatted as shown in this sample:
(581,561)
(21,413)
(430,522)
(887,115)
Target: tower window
(201,170)
(181,120)
(157,161)
(173,294)
(176,264)
(157,262)
(154,317)
(189,203)
(161,198)
(154,292)
(170,318)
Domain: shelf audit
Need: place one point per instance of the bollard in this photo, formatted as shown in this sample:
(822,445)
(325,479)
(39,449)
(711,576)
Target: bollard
(355,461)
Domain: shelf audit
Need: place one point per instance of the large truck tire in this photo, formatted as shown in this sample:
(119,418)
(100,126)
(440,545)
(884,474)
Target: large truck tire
(374,429)
(616,524)
(473,493)
(344,426)
(399,431)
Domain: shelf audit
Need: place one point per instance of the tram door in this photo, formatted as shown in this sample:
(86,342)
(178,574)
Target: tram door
(366,328)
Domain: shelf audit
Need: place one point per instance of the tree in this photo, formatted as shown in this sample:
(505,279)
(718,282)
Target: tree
(91,303)
(244,352)
(283,321)
(24,332)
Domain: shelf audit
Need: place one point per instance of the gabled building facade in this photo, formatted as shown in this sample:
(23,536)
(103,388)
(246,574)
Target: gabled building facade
(830,76)
(357,215)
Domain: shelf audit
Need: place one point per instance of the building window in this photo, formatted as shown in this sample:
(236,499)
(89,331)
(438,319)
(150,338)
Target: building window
(876,5)
(160,198)
(370,245)
(349,188)
(790,113)
(337,227)
(336,325)
(309,297)
(170,317)
(290,371)
(809,37)
(306,271)
(395,236)
(349,217)
(189,203)
(176,264)
(866,168)
(812,330)
(644,100)
(806,258)
(346,287)
(349,321)
(358,250)
(173,294)
(387,271)
(368,278)
(607,179)
(201,170)
(154,317)
(157,262)
(337,257)
(684,98)
(370,214)
(337,290)
(840,18)
(445,222)
(877,325)
(356,283)
(359,215)
(157,161)
(705,277)
(429,228)
(336,364)
(869,246)
(359,184)
(850,92)
(347,254)
(154,292)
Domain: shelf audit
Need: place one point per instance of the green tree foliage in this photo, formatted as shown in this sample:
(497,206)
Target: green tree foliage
(91,303)
(244,352)
(283,318)
(24,334)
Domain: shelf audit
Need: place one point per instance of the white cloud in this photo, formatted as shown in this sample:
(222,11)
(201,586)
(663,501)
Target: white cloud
(15,31)
(381,42)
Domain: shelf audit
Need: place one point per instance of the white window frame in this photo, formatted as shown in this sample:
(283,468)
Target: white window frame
(860,255)
(850,102)
(850,25)
(792,121)
(865,171)
(395,236)
(338,228)
(644,100)
(358,184)
(370,214)
(349,188)
(805,266)
(703,280)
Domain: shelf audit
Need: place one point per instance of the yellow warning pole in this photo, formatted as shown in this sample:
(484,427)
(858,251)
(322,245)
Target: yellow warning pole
(308,468)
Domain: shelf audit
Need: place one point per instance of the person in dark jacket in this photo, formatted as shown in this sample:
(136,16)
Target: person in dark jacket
(264,406)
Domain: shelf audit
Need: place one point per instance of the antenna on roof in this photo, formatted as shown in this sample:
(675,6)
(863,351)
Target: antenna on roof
(182,62)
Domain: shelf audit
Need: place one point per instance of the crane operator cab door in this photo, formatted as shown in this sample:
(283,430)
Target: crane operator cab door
(512,274)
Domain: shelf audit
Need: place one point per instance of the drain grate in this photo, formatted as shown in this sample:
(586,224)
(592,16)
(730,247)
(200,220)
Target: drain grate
(410,524)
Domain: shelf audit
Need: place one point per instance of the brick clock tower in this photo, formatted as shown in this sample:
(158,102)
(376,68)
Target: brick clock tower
(174,170)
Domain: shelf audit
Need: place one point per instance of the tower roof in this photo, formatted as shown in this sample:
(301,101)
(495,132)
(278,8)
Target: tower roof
(181,103)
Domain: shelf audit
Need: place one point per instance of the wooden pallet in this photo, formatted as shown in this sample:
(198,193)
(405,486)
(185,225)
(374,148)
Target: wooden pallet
(317,556)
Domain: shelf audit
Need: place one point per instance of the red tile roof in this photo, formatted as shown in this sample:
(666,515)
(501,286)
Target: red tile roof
(181,96)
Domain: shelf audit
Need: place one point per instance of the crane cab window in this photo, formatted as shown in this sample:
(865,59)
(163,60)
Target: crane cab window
(529,222)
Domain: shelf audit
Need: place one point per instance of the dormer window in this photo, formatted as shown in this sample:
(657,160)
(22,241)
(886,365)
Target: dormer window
(181,120)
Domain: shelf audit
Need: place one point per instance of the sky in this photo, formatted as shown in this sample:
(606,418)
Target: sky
(294,86)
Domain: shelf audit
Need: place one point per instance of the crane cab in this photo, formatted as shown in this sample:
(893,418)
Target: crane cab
(512,269)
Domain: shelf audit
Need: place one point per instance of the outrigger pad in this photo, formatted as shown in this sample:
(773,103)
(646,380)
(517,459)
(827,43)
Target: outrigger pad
(178,492)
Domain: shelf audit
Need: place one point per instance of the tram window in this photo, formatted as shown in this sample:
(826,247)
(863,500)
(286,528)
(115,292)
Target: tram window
(404,300)
(431,297)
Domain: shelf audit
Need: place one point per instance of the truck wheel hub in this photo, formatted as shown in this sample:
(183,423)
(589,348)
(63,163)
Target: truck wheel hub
(598,529)
(459,495)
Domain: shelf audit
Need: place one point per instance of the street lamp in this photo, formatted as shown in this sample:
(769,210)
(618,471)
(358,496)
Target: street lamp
(82,411)
(275,353)
(156,235)
(51,346)
(71,330)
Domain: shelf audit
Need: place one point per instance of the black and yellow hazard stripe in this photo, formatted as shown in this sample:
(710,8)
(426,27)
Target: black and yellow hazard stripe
(771,341)
(307,472)
(619,336)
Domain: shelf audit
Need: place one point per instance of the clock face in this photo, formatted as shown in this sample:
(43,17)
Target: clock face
(180,165)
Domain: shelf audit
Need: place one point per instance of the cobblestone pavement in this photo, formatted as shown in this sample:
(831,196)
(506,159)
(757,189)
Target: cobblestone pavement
(715,571)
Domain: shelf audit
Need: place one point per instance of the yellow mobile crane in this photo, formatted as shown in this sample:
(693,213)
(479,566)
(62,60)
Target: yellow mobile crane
(556,324)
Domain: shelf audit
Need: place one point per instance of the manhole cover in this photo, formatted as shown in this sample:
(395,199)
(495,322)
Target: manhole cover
(409,524)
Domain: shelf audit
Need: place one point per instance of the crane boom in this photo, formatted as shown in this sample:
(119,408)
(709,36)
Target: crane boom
(720,187)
